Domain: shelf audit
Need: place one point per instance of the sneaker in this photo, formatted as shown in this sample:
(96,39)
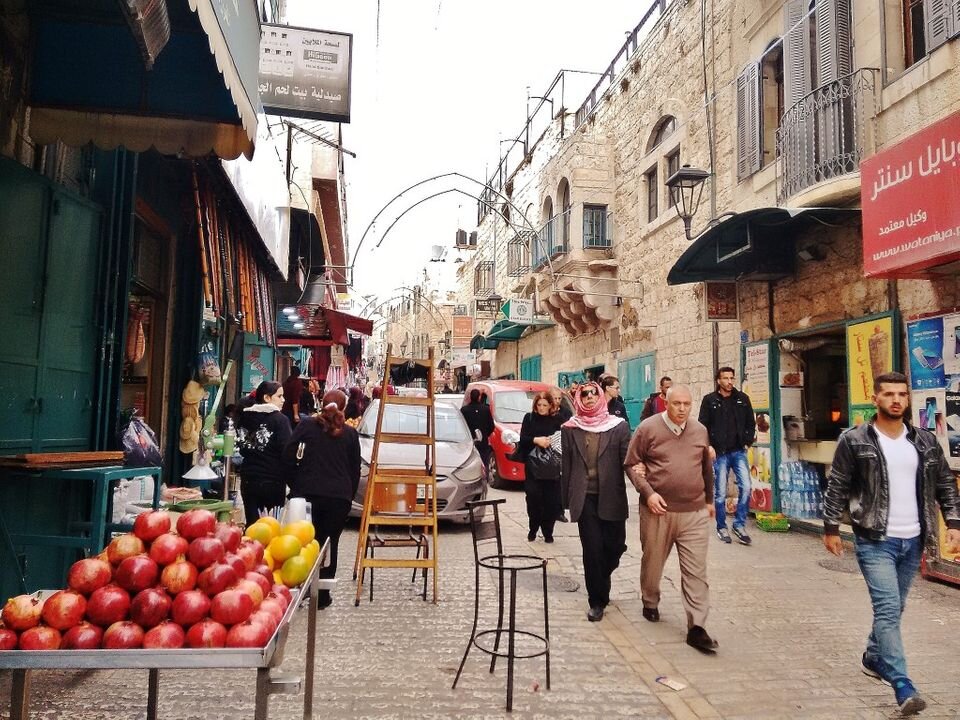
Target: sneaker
(908,698)
(742,536)
(724,535)
(871,668)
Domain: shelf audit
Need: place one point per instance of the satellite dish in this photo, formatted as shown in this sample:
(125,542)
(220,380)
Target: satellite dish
(437,252)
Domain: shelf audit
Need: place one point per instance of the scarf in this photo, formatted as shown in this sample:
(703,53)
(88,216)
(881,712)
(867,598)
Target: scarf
(597,419)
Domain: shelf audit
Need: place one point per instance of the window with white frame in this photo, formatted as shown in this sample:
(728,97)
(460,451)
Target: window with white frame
(595,232)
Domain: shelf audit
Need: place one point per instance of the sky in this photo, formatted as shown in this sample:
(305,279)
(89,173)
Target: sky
(434,91)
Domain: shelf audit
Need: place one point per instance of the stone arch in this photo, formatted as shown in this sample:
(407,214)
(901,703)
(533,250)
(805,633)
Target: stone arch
(564,209)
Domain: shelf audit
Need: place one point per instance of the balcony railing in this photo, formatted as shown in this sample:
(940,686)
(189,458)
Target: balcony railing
(826,134)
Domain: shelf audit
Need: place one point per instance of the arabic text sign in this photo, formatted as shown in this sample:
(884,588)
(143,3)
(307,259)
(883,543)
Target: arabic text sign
(305,73)
(911,220)
(462,331)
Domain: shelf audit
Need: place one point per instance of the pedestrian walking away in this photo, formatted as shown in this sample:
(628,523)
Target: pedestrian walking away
(594,449)
(323,455)
(292,392)
(890,477)
(728,416)
(262,432)
(657,402)
(541,483)
(480,421)
(611,394)
(669,464)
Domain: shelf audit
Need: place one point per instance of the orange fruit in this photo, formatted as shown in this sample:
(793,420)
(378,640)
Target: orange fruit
(312,550)
(294,571)
(284,547)
(272,523)
(302,529)
(261,532)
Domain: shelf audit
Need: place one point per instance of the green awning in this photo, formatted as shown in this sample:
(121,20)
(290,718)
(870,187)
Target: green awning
(505,331)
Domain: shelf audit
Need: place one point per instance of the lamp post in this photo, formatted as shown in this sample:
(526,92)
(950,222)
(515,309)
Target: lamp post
(687,183)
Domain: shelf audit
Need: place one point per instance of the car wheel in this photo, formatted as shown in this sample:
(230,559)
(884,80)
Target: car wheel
(495,480)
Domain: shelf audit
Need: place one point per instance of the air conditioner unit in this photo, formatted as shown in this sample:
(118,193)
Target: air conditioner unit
(461,238)
(473,239)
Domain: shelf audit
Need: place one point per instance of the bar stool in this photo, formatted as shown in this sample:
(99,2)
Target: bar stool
(489,532)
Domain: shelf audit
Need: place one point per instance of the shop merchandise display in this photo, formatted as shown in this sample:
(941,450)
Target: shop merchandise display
(192,582)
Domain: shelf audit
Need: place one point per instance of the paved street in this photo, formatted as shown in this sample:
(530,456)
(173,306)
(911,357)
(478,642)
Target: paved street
(790,620)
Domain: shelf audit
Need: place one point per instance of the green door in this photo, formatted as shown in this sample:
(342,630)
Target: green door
(637,383)
(530,368)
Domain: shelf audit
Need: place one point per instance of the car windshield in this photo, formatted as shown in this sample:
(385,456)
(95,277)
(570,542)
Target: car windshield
(451,426)
(511,405)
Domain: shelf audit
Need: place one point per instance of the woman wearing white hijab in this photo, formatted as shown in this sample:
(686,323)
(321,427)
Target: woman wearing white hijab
(593,488)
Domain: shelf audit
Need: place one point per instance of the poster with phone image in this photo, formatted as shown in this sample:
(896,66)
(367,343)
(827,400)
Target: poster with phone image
(952,422)
(925,348)
(951,344)
(929,411)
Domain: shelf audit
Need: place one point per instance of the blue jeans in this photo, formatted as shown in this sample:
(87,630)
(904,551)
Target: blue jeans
(889,567)
(736,459)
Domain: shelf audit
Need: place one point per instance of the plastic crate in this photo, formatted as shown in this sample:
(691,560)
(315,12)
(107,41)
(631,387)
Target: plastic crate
(772,522)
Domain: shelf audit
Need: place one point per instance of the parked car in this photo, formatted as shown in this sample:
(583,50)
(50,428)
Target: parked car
(460,473)
(509,401)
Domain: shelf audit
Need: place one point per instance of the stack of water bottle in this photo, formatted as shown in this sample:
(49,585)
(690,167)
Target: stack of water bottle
(800,495)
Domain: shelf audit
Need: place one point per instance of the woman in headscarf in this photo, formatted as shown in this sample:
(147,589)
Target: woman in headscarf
(543,493)
(326,453)
(262,432)
(592,484)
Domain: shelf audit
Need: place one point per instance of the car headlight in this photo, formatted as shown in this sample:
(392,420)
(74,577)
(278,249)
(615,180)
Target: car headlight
(510,436)
(471,471)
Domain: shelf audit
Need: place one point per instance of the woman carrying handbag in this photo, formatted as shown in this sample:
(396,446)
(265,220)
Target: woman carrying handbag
(541,466)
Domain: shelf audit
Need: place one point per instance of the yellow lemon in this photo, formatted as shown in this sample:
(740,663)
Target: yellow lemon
(272,523)
(307,554)
(294,571)
(277,578)
(284,547)
(268,559)
(302,529)
(261,532)
(314,549)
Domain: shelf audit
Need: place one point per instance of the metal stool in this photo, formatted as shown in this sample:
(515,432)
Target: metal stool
(490,532)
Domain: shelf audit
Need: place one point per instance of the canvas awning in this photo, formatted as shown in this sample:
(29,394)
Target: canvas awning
(320,323)
(505,331)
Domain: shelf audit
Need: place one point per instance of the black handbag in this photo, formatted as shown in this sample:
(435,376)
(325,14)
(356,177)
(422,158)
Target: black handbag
(544,463)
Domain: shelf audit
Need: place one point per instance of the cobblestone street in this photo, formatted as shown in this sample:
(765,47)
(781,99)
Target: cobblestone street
(791,622)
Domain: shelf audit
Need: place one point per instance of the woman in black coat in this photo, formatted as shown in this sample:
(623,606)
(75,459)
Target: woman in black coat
(543,493)
(326,455)
(262,432)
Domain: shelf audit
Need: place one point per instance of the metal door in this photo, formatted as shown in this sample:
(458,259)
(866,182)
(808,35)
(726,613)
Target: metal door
(637,383)
(530,368)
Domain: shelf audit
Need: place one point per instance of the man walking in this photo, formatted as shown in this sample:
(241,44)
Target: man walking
(480,421)
(890,477)
(728,417)
(668,462)
(657,402)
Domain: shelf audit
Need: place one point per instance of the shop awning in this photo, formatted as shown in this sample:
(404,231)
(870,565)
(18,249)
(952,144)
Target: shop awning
(505,331)
(753,245)
(89,82)
(320,323)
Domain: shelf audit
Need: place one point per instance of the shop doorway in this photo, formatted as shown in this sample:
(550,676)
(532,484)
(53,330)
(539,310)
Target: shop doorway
(637,383)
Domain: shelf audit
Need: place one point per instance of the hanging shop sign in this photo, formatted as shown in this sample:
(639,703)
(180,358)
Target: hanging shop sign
(462,331)
(519,311)
(305,73)
(487,307)
(721,302)
(911,222)
(756,384)
(459,310)
(460,357)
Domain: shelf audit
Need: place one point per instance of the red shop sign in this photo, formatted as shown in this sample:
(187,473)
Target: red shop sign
(910,195)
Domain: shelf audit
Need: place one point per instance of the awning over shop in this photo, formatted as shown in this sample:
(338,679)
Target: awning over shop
(752,245)
(89,81)
(320,323)
(505,331)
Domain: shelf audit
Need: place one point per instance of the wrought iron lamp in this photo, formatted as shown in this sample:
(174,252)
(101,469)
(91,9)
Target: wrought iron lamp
(687,184)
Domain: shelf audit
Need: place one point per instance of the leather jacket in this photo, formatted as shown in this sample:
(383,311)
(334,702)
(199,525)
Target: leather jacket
(746,422)
(858,481)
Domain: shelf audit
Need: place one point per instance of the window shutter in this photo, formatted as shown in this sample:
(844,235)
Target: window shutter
(955,18)
(796,52)
(938,17)
(748,121)
(834,57)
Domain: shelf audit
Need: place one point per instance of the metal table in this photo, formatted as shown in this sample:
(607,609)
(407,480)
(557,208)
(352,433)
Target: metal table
(264,659)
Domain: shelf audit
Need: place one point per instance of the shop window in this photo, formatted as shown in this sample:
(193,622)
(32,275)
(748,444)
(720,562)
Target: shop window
(652,194)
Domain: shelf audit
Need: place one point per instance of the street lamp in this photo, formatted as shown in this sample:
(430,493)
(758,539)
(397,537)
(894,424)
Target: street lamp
(687,183)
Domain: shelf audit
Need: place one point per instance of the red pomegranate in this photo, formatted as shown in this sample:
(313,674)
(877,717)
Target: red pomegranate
(123,635)
(150,607)
(205,551)
(22,612)
(189,607)
(207,633)
(108,605)
(178,577)
(149,526)
(40,637)
(248,634)
(230,535)
(124,546)
(85,636)
(167,548)
(64,609)
(196,523)
(88,575)
(166,635)
(231,607)
(217,578)
(136,573)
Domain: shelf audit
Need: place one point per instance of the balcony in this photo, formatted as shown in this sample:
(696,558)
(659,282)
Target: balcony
(826,135)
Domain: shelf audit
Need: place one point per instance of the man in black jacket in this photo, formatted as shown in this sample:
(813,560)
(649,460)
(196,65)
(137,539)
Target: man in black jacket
(480,421)
(890,476)
(728,417)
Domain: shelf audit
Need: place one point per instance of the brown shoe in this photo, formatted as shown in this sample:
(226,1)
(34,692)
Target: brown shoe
(698,638)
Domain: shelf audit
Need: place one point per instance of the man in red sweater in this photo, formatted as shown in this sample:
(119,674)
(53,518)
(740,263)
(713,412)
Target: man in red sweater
(669,464)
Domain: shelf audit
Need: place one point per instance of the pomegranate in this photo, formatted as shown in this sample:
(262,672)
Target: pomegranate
(251,552)
(248,634)
(236,562)
(136,573)
(217,578)
(149,526)
(108,605)
(207,633)
(229,535)
(22,612)
(8,639)
(85,636)
(284,591)
(264,584)
(167,548)
(274,607)
(179,576)
(150,607)
(196,523)
(189,607)
(166,635)
(265,619)
(124,546)
(231,607)
(252,589)
(123,635)
(264,569)
(205,551)
(88,574)
(284,603)
(64,609)
(40,637)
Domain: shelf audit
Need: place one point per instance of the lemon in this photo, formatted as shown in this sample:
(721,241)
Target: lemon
(302,529)
(294,571)
(272,523)
(284,547)
(313,551)
(261,532)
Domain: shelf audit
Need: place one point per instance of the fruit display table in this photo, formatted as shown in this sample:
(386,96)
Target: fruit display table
(263,660)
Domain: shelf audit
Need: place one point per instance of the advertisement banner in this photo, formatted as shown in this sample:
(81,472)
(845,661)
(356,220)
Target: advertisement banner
(925,350)
(756,375)
(911,220)
(462,331)
(869,354)
(721,301)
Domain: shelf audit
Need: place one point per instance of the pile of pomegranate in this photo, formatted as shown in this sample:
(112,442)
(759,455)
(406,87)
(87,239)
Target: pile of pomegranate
(202,586)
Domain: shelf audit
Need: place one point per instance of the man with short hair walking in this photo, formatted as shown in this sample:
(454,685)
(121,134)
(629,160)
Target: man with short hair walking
(890,476)
(657,402)
(728,417)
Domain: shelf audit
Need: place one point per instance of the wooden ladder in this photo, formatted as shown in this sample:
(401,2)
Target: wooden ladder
(397,497)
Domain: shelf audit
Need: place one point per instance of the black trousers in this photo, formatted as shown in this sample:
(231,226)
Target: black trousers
(543,502)
(329,518)
(260,494)
(603,542)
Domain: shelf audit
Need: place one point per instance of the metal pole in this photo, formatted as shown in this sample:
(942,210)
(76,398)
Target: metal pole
(153,693)
(20,695)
